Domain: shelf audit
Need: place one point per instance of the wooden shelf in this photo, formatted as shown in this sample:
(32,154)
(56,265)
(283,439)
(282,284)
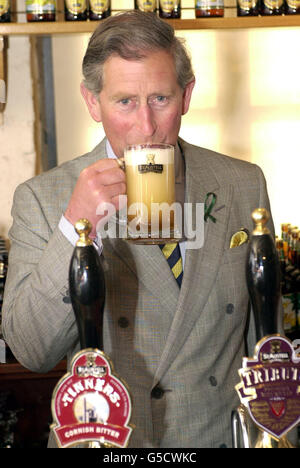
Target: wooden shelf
(69,27)
(14,371)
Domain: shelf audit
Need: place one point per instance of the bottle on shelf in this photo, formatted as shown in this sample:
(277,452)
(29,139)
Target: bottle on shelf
(145,5)
(5,11)
(284,235)
(170,8)
(76,10)
(298,251)
(293,247)
(209,8)
(279,247)
(288,250)
(272,7)
(247,7)
(99,9)
(39,10)
(289,241)
(3,272)
(292,7)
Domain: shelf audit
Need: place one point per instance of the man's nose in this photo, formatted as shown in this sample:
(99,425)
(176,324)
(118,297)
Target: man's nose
(146,121)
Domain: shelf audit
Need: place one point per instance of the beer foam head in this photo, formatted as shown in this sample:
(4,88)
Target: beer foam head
(149,154)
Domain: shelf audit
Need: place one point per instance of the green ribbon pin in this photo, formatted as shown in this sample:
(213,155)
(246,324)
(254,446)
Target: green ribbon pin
(210,201)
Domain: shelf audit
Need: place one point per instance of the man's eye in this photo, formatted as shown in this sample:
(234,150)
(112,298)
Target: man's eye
(161,98)
(124,101)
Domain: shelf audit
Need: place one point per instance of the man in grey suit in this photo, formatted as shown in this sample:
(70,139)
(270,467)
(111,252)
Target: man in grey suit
(179,349)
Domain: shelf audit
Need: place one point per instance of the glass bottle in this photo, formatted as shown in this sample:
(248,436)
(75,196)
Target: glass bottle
(76,10)
(3,270)
(293,249)
(280,252)
(169,8)
(298,251)
(289,302)
(39,10)
(145,5)
(5,11)
(292,7)
(209,8)
(272,7)
(99,9)
(2,284)
(247,7)
(298,307)
(284,235)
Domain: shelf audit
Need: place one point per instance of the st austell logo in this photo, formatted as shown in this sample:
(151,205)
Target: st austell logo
(91,369)
(270,386)
(150,166)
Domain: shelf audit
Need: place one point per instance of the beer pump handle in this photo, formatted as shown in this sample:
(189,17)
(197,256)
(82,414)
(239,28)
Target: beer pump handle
(91,406)
(252,424)
(263,276)
(87,288)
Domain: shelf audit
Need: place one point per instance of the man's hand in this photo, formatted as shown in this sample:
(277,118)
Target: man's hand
(101,182)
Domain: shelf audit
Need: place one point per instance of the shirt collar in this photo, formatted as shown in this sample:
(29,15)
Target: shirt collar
(109,150)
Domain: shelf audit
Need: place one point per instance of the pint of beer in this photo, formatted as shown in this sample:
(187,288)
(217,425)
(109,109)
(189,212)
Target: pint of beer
(150,179)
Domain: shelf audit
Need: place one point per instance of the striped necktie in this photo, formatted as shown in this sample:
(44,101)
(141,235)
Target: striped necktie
(173,256)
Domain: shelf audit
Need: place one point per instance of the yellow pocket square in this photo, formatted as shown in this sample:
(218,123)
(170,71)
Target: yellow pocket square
(239,238)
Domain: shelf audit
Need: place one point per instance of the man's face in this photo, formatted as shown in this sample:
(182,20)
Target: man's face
(141,101)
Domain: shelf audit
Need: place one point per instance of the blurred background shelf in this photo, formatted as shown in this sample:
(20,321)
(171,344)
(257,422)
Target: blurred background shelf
(77,27)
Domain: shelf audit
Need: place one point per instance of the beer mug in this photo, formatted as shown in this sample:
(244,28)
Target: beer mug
(151,207)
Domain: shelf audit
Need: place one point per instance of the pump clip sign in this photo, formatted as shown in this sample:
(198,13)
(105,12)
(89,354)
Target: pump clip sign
(91,405)
(270,386)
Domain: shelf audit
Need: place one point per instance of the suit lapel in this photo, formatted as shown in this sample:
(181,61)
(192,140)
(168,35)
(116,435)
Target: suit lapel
(199,263)
(148,264)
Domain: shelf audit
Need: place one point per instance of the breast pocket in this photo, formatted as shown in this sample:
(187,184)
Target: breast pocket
(236,254)
(232,286)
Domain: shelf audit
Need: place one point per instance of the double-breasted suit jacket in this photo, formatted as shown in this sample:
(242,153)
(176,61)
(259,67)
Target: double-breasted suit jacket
(178,349)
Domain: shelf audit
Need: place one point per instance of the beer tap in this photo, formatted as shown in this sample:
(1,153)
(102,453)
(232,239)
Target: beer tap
(260,422)
(87,288)
(91,405)
(263,277)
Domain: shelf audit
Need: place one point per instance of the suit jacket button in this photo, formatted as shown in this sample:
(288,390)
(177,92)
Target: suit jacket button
(213,381)
(229,309)
(157,392)
(67,299)
(123,322)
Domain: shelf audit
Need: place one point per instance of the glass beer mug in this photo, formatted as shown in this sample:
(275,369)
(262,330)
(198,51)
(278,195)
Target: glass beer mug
(151,209)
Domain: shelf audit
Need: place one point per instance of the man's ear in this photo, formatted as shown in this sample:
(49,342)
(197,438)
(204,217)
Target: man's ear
(187,94)
(92,103)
